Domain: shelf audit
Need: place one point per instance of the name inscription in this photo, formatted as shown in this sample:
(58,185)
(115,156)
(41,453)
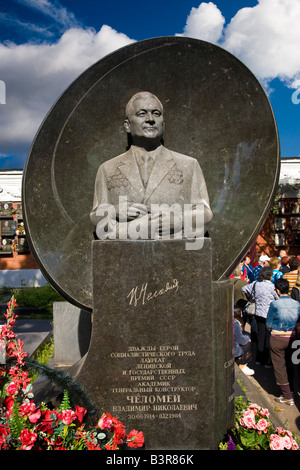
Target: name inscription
(142,294)
(156,386)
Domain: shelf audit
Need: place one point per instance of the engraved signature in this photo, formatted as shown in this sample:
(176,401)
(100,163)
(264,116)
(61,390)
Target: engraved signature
(143,295)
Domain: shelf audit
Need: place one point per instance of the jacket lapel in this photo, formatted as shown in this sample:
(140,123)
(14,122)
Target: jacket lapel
(131,171)
(163,164)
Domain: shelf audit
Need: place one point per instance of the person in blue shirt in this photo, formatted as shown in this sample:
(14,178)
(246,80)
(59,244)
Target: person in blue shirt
(263,262)
(281,320)
(275,264)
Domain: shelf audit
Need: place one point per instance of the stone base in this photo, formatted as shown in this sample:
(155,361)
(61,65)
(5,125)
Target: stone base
(71,333)
(161,353)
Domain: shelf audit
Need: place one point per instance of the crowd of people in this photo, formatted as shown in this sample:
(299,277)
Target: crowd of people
(267,316)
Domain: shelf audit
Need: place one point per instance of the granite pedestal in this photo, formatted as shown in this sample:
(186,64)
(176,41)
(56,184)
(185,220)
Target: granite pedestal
(160,357)
(72,333)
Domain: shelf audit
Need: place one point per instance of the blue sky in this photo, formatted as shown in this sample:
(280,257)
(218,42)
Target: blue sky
(45,45)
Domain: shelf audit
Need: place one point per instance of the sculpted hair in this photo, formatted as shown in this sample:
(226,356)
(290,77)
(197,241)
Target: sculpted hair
(138,96)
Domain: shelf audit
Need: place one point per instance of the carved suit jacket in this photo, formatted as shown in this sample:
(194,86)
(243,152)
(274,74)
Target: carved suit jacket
(175,178)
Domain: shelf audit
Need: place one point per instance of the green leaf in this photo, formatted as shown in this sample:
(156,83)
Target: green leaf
(16,421)
(65,403)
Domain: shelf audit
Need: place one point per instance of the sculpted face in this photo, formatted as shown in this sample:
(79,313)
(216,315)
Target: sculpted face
(144,119)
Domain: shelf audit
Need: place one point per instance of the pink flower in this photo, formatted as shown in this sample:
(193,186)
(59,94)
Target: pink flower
(248,419)
(287,442)
(276,442)
(294,445)
(28,439)
(264,413)
(105,422)
(280,430)
(68,416)
(255,408)
(262,424)
(11,389)
(27,408)
(34,417)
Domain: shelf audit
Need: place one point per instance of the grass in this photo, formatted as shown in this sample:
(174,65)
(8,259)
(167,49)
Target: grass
(43,355)
(37,297)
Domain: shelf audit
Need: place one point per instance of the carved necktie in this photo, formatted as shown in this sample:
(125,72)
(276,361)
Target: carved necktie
(145,168)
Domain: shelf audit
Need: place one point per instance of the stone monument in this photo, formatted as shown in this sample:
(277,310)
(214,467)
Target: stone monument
(157,282)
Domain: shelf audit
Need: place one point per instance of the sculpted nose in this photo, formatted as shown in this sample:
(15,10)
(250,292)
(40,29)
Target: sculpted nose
(150,117)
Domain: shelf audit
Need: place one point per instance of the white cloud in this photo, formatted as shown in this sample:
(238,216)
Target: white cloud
(265,37)
(36,74)
(205,22)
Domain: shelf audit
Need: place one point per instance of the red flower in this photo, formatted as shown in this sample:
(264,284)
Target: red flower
(135,439)
(118,430)
(6,332)
(27,439)
(51,415)
(8,404)
(46,422)
(80,413)
(91,446)
(12,304)
(4,432)
(112,446)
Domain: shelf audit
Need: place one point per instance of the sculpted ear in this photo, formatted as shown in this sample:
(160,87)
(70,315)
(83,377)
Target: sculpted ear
(127,125)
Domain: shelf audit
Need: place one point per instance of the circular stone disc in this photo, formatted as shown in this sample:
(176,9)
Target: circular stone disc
(215,111)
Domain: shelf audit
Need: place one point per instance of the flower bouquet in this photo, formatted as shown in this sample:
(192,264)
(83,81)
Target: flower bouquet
(254,431)
(26,426)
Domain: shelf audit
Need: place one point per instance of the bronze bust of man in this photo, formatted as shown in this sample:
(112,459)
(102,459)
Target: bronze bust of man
(147,176)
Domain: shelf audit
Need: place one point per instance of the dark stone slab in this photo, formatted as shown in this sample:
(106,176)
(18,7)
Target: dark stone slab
(19,211)
(72,333)
(6,209)
(8,227)
(215,111)
(23,246)
(6,246)
(160,357)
